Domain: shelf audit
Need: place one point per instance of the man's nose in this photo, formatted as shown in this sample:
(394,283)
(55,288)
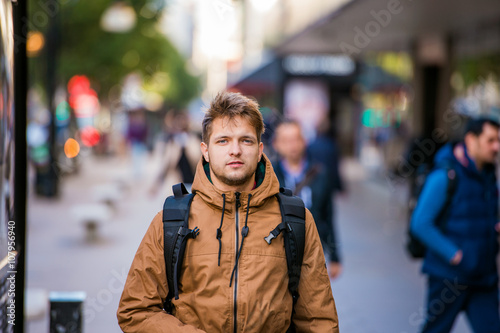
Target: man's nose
(496,147)
(235,149)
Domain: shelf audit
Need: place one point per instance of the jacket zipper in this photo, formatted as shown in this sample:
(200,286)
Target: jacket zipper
(237,218)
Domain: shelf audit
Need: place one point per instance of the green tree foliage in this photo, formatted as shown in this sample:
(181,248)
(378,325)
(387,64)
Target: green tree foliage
(476,69)
(106,58)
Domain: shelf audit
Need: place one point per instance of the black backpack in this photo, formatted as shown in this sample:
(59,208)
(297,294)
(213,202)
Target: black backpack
(176,232)
(414,247)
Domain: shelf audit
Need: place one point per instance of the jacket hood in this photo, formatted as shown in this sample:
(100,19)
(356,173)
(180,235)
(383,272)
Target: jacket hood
(446,155)
(213,196)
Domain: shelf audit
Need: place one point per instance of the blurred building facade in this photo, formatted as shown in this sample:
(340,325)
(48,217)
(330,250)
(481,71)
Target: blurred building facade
(385,71)
(423,67)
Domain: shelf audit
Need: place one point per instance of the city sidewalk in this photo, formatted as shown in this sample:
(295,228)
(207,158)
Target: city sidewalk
(61,259)
(380,289)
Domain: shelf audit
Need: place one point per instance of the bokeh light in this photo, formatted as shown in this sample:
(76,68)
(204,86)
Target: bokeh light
(62,113)
(90,136)
(40,154)
(71,148)
(36,134)
(82,98)
(78,84)
(119,18)
(35,43)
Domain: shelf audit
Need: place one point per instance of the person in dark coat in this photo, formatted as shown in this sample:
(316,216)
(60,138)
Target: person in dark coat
(136,136)
(325,150)
(310,181)
(461,254)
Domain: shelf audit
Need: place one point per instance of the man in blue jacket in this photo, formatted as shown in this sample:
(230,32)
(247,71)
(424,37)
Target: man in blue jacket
(309,180)
(461,258)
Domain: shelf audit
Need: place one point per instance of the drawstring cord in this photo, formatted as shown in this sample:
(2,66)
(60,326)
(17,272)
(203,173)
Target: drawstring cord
(244,233)
(219,231)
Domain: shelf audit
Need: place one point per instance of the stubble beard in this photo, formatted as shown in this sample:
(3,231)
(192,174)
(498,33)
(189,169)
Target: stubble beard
(233,181)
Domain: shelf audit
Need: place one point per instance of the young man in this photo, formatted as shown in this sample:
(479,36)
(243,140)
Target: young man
(309,180)
(461,257)
(234,283)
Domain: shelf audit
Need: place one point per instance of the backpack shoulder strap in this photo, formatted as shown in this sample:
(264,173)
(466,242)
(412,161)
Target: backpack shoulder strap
(293,223)
(175,233)
(179,190)
(452,179)
(451,173)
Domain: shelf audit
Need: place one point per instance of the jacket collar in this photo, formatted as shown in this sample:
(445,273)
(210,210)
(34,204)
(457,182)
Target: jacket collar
(462,157)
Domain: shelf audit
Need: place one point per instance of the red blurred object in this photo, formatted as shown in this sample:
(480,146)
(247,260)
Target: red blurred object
(78,84)
(90,136)
(82,98)
(85,105)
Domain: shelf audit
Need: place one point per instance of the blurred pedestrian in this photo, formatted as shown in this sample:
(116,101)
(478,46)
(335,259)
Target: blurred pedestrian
(180,154)
(137,134)
(324,150)
(461,256)
(311,181)
(232,280)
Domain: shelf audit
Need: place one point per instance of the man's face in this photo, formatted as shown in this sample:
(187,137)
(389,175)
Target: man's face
(484,147)
(289,142)
(233,153)
(488,143)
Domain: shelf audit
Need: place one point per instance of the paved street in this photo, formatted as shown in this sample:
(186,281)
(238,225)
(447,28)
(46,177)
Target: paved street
(380,290)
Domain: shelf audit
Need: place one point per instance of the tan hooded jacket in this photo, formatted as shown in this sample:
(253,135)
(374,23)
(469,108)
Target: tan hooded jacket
(258,299)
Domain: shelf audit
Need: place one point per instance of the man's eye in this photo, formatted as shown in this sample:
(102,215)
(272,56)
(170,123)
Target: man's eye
(248,141)
(222,141)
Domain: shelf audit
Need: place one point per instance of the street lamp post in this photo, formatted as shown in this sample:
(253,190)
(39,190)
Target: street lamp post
(47,182)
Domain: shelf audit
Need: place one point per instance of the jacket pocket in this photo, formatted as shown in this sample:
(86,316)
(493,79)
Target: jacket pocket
(186,315)
(279,322)
(474,260)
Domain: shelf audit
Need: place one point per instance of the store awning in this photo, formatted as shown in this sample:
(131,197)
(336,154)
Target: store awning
(262,80)
(382,25)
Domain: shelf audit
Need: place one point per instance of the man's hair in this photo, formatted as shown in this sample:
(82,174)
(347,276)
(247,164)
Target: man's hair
(475,125)
(284,122)
(231,104)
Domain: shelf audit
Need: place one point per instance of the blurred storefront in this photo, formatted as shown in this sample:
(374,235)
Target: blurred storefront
(368,104)
(386,94)
(435,35)
(421,67)
(309,88)
(80,102)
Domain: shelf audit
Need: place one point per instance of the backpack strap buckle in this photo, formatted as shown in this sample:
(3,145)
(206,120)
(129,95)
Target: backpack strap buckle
(188,233)
(193,233)
(275,232)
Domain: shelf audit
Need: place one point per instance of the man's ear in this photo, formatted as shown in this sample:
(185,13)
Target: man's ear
(204,151)
(469,139)
(274,144)
(261,149)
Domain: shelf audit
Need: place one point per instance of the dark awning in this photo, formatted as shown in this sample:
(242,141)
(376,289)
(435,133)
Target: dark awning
(264,79)
(379,25)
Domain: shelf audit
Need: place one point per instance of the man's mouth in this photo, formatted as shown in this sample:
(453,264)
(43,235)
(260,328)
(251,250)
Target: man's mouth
(235,163)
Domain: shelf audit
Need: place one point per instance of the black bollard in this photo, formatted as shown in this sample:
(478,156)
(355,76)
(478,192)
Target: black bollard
(66,312)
